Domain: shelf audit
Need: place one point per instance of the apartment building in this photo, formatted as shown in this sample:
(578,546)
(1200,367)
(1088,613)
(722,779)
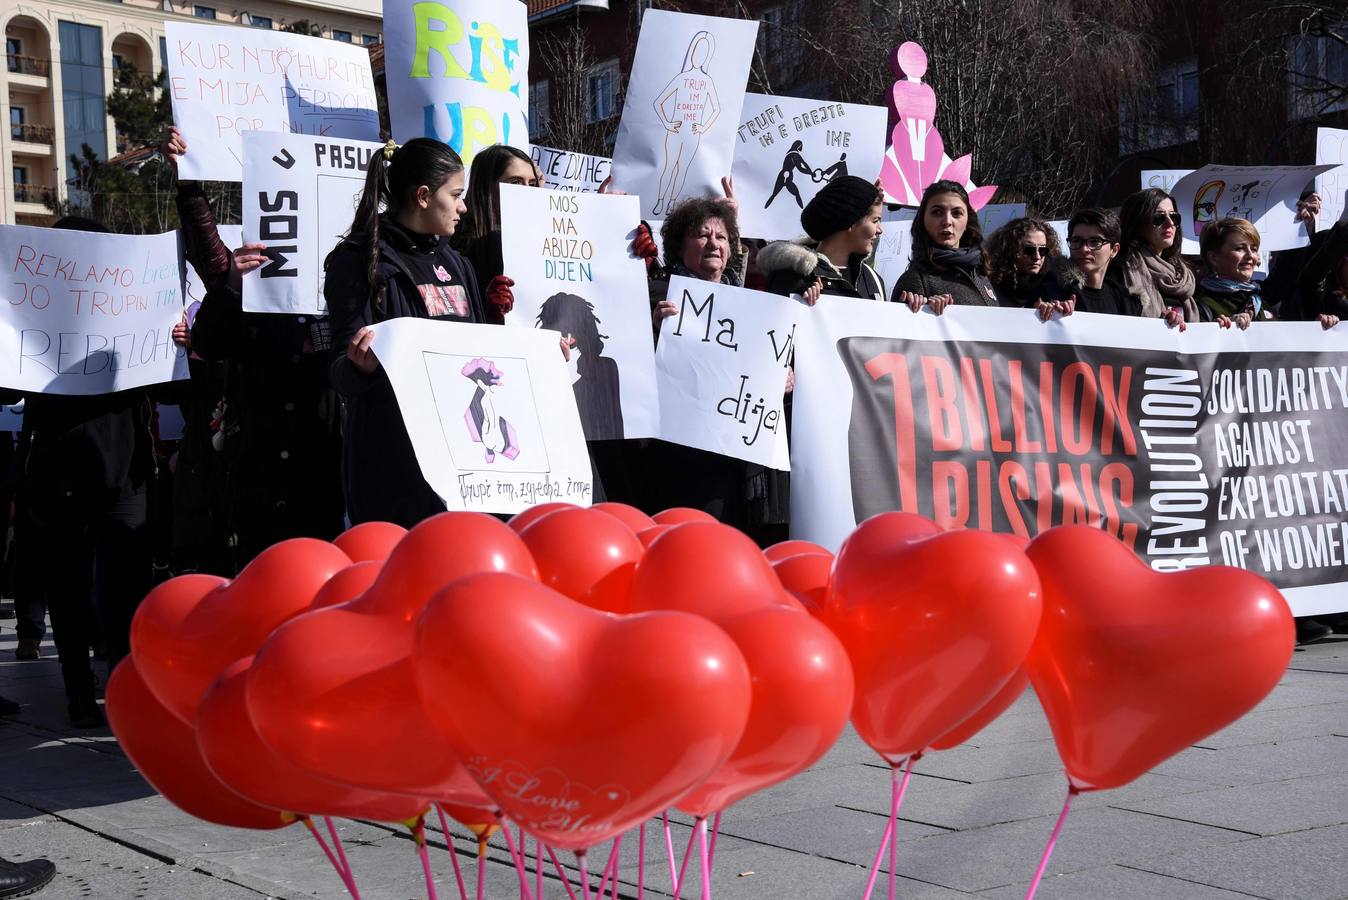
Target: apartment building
(62,57)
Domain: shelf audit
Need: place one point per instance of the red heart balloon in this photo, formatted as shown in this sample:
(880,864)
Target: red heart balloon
(587,555)
(787,549)
(680,515)
(181,647)
(333,690)
(1132,666)
(1000,703)
(802,696)
(523,520)
(630,516)
(347,584)
(647,536)
(806,576)
(370,541)
(935,623)
(588,723)
(235,753)
(165,751)
(705,568)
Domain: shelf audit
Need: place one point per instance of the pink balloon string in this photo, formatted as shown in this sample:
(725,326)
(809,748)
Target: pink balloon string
(453,856)
(611,868)
(641,864)
(538,866)
(342,873)
(561,873)
(1052,841)
(419,834)
(337,845)
(683,868)
(481,873)
(715,831)
(889,839)
(669,848)
(583,863)
(520,857)
(706,857)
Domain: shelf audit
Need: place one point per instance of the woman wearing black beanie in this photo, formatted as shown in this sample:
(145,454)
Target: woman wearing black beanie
(843,224)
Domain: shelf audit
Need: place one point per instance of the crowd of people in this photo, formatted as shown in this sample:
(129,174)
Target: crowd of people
(292,427)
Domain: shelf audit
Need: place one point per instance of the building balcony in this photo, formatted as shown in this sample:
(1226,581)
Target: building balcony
(541,10)
(43,135)
(32,71)
(34,195)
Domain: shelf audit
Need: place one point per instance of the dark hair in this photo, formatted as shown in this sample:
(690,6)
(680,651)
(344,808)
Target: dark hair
(1003,249)
(1103,219)
(80,223)
(392,182)
(973,232)
(689,216)
(1136,214)
(574,315)
(484,196)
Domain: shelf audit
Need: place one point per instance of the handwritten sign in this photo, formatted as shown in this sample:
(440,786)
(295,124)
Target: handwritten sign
(490,413)
(1331,148)
(457,71)
(894,250)
(225,82)
(575,274)
(722,364)
(299,195)
(676,138)
(787,148)
(88,313)
(1163,179)
(1264,195)
(564,170)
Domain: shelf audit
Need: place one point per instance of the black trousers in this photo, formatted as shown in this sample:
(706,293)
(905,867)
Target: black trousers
(94,560)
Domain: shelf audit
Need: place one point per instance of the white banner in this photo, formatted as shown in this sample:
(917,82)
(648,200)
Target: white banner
(1331,149)
(227,81)
(676,138)
(88,313)
(564,170)
(1201,447)
(1265,195)
(894,250)
(995,215)
(194,288)
(458,72)
(1164,179)
(490,412)
(299,196)
(787,148)
(575,274)
(722,363)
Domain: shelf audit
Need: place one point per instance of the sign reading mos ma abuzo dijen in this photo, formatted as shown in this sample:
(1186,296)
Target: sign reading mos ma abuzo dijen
(1207,447)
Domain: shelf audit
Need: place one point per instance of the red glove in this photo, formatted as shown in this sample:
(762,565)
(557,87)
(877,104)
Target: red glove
(644,247)
(500,299)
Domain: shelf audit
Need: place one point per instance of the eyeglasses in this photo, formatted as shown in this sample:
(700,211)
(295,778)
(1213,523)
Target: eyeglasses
(1032,251)
(1091,243)
(1161,218)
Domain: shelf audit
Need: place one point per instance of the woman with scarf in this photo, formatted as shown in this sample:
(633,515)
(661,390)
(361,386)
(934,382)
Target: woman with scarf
(948,263)
(1149,264)
(1227,294)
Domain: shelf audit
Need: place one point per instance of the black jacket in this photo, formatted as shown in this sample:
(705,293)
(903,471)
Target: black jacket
(1026,293)
(87,448)
(380,474)
(967,286)
(1316,292)
(791,267)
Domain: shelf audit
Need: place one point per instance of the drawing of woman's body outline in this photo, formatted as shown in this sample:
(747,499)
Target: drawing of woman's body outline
(691,100)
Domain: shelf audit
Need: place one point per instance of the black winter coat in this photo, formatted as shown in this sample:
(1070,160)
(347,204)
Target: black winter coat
(1317,294)
(791,267)
(380,474)
(968,287)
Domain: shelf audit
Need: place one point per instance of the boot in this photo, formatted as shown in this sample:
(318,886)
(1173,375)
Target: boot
(24,878)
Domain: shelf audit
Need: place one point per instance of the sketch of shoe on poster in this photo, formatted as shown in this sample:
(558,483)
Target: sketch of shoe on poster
(490,412)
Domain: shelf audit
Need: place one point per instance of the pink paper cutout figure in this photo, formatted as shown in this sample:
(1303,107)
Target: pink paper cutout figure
(916,157)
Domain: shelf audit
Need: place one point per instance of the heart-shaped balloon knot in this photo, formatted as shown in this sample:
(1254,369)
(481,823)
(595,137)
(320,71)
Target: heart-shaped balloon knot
(291,818)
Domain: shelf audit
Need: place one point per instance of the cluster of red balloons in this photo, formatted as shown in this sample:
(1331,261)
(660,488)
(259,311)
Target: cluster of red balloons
(578,671)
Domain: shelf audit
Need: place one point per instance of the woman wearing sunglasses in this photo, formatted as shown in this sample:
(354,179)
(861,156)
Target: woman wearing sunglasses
(1023,256)
(1149,263)
(1093,237)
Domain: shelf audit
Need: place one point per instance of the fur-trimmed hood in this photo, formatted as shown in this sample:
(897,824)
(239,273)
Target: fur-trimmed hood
(798,256)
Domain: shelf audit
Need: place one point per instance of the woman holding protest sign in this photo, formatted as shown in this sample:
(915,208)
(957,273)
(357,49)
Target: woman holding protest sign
(843,224)
(478,236)
(948,265)
(1149,263)
(392,264)
(1228,294)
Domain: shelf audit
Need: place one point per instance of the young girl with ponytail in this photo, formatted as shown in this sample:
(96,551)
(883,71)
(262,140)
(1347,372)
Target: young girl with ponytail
(394,263)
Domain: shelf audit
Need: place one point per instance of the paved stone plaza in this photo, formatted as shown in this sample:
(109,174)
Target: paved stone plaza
(1258,810)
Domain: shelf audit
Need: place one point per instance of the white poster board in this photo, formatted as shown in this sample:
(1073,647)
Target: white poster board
(458,72)
(788,148)
(88,313)
(490,413)
(564,170)
(299,196)
(224,82)
(194,288)
(995,215)
(721,364)
(1164,179)
(894,249)
(1264,195)
(574,273)
(1331,149)
(676,138)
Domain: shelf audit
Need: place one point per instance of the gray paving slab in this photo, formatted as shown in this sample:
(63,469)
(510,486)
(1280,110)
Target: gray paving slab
(1264,726)
(1327,656)
(1304,865)
(1264,809)
(1258,763)
(1116,883)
